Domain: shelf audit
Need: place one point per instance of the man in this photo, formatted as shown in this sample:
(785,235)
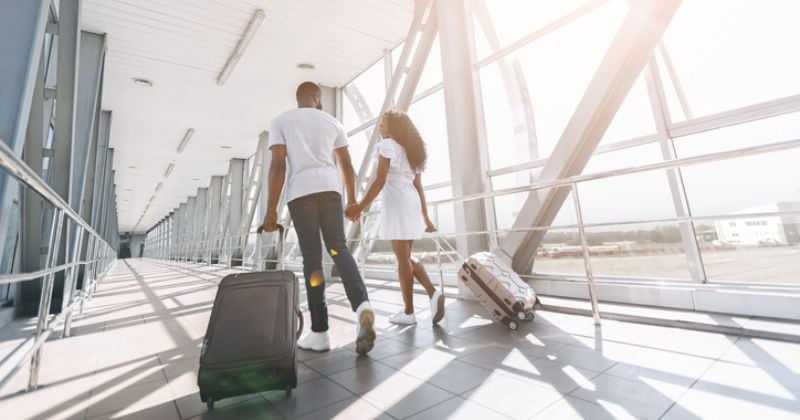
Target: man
(309,138)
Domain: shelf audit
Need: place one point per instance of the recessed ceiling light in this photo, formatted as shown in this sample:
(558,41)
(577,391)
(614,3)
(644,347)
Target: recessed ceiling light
(226,147)
(132,167)
(306,66)
(195,179)
(138,81)
(169,170)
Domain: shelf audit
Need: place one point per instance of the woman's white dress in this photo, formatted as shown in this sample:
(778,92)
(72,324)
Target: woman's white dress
(401,213)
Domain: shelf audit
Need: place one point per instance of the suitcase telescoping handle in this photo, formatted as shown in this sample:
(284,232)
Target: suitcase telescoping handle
(446,246)
(279,265)
(281,240)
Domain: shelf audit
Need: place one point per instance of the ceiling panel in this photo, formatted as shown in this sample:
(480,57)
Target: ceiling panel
(181,45)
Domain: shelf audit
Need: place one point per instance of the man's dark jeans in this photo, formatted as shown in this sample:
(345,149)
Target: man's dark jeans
(310,215)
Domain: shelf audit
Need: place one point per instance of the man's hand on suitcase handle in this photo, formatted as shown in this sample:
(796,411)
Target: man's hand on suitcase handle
(275,227)
(270,223)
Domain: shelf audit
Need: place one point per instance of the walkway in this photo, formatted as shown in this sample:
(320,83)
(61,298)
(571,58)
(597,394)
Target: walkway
(134,354)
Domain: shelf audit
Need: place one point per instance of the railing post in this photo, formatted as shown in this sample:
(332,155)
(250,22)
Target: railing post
(586,258)
(73,273)
(47,293)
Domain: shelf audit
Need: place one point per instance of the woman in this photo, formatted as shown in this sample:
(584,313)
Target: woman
(402,158)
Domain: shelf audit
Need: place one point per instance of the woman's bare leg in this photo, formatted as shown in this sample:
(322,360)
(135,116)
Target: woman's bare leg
(405,272)
(420,274)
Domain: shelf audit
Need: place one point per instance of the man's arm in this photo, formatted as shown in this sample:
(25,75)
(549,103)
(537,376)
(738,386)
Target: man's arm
(276,178)
(348,174)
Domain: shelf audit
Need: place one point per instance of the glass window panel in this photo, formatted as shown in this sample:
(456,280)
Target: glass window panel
(753,249)
(641,196)
(514,19)
(624,158)
(432,72)
(560,253)
(638,251)
(429,117)
(572,54)
(634,117)
(358,143)
(733,53)
(371,84)
(676,113)
(350,119)
(507,207)
(737,185)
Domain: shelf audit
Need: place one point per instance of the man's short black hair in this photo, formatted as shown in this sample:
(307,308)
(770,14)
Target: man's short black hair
(308,89)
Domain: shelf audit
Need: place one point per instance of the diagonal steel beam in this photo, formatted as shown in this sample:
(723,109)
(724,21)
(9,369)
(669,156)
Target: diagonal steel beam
(626,57)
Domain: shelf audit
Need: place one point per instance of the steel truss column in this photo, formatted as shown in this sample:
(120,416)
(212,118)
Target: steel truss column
(180,231)
(22,29)
(87,114)
(32,206)
(214,210)
(236,199)
(462,105)
(65,130)
(200,224)
(101,161)
(680,200)
(626,57)
(191,226)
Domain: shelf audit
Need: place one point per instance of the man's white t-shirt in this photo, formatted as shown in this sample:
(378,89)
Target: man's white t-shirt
(310,136)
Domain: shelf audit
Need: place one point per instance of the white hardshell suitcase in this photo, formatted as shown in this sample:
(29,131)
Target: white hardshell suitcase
(499,289)
(496,286)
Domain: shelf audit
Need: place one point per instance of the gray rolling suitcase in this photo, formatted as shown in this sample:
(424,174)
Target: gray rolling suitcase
(497,287)
(251,341)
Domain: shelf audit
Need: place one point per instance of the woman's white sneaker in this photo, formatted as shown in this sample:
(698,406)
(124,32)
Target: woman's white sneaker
(403,318)
(437,307)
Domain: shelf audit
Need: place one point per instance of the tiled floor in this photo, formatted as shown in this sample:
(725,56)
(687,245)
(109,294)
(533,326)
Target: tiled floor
(134,354)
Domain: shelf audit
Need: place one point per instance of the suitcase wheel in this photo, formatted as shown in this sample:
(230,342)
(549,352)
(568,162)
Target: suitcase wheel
(210,403)
(512,325)
(523,316)
(529,316)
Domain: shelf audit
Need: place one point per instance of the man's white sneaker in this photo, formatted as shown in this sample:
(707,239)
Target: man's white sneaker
(403,318)
(365,333)
(437,307)
(316,341)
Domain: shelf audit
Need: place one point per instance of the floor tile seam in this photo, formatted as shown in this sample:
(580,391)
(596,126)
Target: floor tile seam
(685,391)
(542,386)
(265,400)
(431,407)
(461,358)
(401,372)
(351,394)
(563,398)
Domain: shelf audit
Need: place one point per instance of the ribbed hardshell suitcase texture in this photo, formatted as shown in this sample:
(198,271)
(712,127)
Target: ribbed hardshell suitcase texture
(498,288)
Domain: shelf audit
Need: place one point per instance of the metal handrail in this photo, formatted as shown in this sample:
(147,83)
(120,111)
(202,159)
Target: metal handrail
(666,164)
(99,256)
(15,166)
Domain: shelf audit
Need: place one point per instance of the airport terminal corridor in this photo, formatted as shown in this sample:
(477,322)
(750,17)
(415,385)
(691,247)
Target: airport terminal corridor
(573,209)
(134,351)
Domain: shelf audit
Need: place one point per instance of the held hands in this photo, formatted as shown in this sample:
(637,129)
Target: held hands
(352,212)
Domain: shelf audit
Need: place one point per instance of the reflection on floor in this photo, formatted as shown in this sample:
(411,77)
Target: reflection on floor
(134,354)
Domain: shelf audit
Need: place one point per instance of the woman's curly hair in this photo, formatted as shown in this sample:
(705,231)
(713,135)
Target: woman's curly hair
(405,133)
